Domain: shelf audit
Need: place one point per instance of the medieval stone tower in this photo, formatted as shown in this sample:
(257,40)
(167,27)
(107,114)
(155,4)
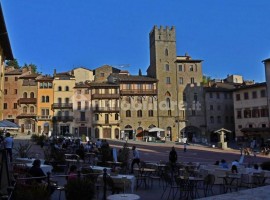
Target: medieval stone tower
(179,88)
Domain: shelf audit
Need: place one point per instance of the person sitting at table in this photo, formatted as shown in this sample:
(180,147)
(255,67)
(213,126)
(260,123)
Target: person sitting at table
(236,163)
(80,152)
(234,169)
(72,174)
(36,171)
(224,164)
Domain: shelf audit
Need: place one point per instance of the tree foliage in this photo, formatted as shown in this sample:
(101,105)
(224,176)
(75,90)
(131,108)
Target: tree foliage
(13,63)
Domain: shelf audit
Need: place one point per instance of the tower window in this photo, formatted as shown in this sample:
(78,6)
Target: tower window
(168,80)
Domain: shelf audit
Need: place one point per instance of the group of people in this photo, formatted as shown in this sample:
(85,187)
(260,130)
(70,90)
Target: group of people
(7,143)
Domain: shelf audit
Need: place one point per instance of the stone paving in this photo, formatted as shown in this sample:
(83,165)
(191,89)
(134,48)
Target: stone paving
(159,151)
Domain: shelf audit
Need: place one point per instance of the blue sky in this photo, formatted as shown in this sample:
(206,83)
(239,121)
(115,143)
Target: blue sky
(231,36)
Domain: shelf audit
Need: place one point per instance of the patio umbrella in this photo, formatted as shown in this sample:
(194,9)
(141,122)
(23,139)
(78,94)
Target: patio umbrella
(155,129)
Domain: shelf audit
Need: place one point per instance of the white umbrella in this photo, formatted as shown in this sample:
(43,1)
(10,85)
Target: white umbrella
(155,129)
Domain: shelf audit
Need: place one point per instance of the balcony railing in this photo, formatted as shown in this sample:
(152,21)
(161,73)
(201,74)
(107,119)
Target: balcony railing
(105,96)
(62,105)
(64,118)
(26,115)
(27,101)
(79,120)
(139,92)
(44,117)
(106,109)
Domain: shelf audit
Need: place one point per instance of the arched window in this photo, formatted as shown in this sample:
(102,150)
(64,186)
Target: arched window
(25,95)
(128,113)
(43,99)
(47,99)
(166,52)
(59,88)
(139,113)
(32,95)
(116,116)
(168,103)
(67,88)
(32,109)
(168,94)
(25,109)
(167,67)
(59,100)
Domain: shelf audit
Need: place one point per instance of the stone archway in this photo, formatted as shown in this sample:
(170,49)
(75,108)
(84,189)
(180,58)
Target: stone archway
(192,133)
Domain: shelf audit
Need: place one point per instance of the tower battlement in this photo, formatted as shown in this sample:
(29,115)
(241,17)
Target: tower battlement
(163,33)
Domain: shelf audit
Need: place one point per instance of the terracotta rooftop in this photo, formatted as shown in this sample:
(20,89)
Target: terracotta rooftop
(133,78)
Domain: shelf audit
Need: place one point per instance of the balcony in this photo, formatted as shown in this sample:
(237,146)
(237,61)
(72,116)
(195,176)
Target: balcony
(106,109)
(27,101)
(26,115)
(79,120)
(44,117)
(64,118)
(139,92)
(105,96)
(62,106)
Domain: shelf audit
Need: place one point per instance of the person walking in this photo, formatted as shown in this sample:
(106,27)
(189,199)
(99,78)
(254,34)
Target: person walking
(136,158)
(173,158)
(8,143)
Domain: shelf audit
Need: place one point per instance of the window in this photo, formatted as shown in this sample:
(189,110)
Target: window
(150,113)
(45,112)
(67,88)
(211,107)
(25,95)
(210,95)
(139,100)
(50,85)
(191,68)
(246,95)
(238,97)
(168,103)
(263,93)
(167,68)
(180,68)
(86,91)
(193,112)
(5,106)
(254,94)
(128,113)
(45,85)
(59,100)
(66,100)
(255,113)
(15,105)
(15,91)
(225,96)
(82,117)
(59,88)
(218,96)
(79,105)
(43,99)
(219,119)
(128,86)
(5,91)
(247,113)
(96,117)
(139,113)
(264,112)
(192,80)
(263,125)
(181,80)
(212,121)
(47,99)
(6,78)
(102,74)
(32,95)
(169,113)
(16,78)
(24,109)
(168,80)
(32,109)
(116,117)
(239,114)
(128,99)
(166,52)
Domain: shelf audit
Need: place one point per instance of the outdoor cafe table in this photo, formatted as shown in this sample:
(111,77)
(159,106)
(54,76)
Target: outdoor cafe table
(230,182)
(123,197)
(28,160)
(118,178)
(191,185)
